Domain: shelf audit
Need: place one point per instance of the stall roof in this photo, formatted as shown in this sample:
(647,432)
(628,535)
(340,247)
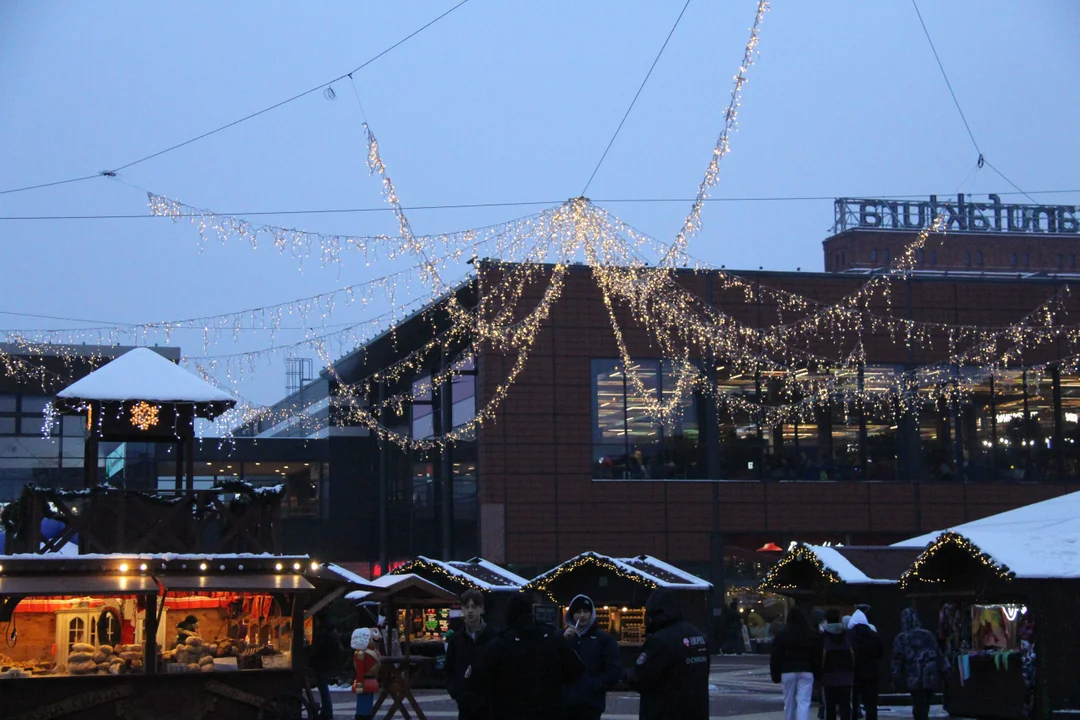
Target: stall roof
(233,582)
(77,585)
(644,568)
(405,589)
(1059,515)
(1033,555)
(142,374)
(478,573)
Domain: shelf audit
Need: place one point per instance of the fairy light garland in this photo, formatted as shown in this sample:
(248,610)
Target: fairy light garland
(928,570)
(542,582)
(798,554)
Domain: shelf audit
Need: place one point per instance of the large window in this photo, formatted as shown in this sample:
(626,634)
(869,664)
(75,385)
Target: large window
(628,443)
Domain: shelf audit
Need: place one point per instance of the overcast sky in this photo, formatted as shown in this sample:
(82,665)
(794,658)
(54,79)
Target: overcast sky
(497,102)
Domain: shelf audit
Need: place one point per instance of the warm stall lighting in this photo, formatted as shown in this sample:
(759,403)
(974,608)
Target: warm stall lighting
(278,567)
(142,568)
(1,568)
(624,609)
(202,566)
(314,565)
(296,566)
(123,567)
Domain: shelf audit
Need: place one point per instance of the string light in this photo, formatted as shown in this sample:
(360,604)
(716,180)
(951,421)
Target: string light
(541,583)
(778,577)
(144,415)
(936,564)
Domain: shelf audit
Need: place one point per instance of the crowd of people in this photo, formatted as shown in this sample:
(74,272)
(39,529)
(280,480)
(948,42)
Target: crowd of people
(842,656)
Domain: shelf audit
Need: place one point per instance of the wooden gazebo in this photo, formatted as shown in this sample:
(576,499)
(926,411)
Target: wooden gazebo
(142,397)
(457,576)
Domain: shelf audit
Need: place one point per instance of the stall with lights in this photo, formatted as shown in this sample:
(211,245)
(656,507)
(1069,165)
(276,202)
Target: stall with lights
(496,583)
(619,588)
(163,636)
(1007,609)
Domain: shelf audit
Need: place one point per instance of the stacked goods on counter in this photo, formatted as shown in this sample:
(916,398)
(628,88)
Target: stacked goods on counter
(85,659)
(194,655)
(10,668)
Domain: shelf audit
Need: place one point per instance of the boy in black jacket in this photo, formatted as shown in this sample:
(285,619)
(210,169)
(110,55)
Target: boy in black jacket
(464,654)
(587,698)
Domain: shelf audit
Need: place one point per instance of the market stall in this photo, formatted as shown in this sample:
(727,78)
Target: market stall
(619,588)
(819,576)
(1007,604)
(496,583)
(163,636)
(405,663)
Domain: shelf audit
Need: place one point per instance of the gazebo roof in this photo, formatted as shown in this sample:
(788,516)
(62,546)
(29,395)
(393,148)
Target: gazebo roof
(872,565)
(477,573)
(645,569)
(142,374)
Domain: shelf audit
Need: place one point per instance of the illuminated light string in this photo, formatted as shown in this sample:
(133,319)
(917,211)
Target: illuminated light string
(543,582)
(798,554)
(927,567)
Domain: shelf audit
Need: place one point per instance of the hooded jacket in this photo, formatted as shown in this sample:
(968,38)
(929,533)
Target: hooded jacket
(672,671)
(868,647)
(917,662)
(794,650)
(837,657)
(525,668)
(599,653)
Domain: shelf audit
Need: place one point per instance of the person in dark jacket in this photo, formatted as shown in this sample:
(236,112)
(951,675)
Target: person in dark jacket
(325,658)
(868,654)
(917,663)
(526,666)
(837,667)
(672,672)
(793,662)
(599,653)
(464,653)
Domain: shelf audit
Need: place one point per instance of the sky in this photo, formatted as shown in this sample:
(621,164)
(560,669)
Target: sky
(497,102)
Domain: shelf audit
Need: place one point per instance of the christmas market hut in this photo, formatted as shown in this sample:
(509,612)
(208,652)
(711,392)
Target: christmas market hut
(141,397)
(1008,610)
(496,583)
(619,588)
(153,635)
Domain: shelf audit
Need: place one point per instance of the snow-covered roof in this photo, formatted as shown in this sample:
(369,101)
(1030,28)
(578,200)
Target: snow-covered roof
(836,560)
(1057,515)
(645,568)
(142,374)
(478,573)
(389,586)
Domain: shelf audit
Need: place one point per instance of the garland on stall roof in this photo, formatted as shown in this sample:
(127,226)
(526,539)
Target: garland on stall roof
(544,581)
(943,543)
(799,553)
(418,564)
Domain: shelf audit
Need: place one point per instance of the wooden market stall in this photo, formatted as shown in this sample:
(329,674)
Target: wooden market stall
(163,636)
(496,583)
(819,576)
(619,588)
(404,664)
(1009,618)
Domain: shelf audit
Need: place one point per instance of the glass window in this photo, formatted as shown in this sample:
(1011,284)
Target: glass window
(873,254)
(1014,260)
(421,411)
(888,256)
(73,425)
(979,257)
(35,403)
(967,258)
(7,402)
(7,426)
(423,488)
(627,440)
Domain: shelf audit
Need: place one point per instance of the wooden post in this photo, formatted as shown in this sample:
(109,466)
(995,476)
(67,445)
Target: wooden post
(150,627)
(90,460)
(189,462)
(179,447)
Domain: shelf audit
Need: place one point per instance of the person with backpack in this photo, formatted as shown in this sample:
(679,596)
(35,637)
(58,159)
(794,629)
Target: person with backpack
(837,667)
(587,698)
(918,666)
(868,654)
(793,661)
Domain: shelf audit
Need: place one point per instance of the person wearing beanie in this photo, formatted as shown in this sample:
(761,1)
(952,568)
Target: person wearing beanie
(366,663)
(672,672)
(599,652)
(526,666)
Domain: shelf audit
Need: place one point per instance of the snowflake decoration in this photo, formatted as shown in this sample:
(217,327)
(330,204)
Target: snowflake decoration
(144,416)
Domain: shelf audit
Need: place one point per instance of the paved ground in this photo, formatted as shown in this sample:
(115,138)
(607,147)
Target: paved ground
(740,687)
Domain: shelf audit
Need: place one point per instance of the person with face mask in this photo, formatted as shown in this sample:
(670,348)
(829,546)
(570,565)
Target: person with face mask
(672,671)
(587,698)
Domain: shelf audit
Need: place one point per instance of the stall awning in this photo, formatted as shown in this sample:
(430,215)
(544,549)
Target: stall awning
(23,585)
(254,583)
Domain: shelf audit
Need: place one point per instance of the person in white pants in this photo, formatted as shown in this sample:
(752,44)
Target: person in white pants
(795,656)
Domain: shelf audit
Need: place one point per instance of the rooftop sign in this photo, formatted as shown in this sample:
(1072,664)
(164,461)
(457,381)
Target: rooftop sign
(959,216)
